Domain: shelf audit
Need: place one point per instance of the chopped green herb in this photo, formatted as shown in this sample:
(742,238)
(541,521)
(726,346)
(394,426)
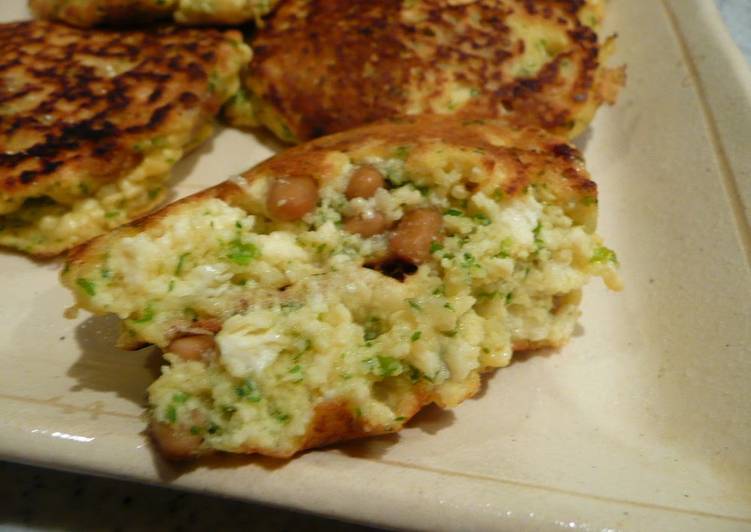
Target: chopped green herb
(290,306)
(228,410)
(286,134)
(280,416)
(111,214)
(453,212)
(401,152)
(414,374)
(87,286)
(487,295)
(423,189)
(474,92)
(242,252)
(469,261)
(603,254)
(213,428)
(415,336)
(481,219)
(105,272)
(180,398)
(384,366)
(539,242)
(509,297)
(248,391)
(297,372)
(213,82)
(400,418)
(171,414)
(358,412)
(589,200)
(373,329)
(171,285)
(195,430)
(505,248)
(147,316)
(414,304)
(181,263)
(498,194)
(435,246)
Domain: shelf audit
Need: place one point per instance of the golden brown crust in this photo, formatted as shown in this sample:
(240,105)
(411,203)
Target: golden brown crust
(329,65)
(74,104)
(333,421)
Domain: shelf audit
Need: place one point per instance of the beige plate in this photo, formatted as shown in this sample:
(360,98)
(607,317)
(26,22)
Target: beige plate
(643,422)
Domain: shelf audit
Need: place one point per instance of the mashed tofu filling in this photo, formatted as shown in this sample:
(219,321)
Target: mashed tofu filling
(305,319)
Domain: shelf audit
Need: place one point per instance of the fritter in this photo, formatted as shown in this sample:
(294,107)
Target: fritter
(87,13)
(92,121)
(326,66)
(334,290)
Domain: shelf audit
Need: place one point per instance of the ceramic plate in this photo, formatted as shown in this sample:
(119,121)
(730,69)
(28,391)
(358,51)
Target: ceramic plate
(641,422)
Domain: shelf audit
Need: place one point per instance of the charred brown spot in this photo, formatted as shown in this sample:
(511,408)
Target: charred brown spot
(395,268)
(566,151)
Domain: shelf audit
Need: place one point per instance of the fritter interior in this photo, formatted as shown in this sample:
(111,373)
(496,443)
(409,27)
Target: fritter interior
(306,330)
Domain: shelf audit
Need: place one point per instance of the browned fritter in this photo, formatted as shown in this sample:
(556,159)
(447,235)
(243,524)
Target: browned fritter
(82,109)
(322,66)
(286,331)
(87,13)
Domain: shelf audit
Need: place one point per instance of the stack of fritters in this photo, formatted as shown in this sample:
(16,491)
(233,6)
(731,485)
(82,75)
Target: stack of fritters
(441,222)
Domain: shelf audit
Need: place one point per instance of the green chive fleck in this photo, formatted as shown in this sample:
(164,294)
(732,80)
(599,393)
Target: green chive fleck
(242,252)
(181,263)
(248,391)
(88,286)
(603,254)
(147,316)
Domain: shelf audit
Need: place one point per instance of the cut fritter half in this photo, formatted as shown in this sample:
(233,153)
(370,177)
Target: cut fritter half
(327,66)
(334,290)
(92,121)
(88,13)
